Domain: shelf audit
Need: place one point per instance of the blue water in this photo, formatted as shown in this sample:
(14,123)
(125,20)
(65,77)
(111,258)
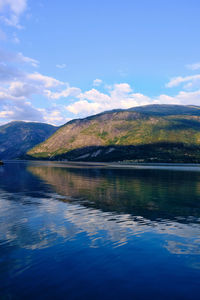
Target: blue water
(91,232)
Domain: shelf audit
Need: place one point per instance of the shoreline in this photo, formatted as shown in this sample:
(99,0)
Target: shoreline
(113,165)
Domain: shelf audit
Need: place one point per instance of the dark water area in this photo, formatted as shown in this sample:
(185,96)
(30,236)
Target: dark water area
(92,232)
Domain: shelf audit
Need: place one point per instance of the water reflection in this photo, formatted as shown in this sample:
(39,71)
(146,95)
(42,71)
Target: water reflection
(137,220)
(123,203)
(152,194)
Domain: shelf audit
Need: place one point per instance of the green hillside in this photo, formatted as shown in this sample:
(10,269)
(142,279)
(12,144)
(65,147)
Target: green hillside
(149,133)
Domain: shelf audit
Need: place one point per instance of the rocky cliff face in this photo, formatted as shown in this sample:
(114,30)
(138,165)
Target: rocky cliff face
(152,133)
(16,138)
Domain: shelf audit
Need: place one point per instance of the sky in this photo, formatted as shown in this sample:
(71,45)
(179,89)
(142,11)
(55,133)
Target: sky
(61,60)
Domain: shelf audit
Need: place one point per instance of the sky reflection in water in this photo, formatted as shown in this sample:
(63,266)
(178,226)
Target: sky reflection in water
(96,232)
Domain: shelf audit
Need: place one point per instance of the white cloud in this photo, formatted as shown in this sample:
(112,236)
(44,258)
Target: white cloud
(17,83)
(61,66)
(121,90)
(84,107)
(21,58)
(188,97)
(23,89)
(11,11)
(20,111)
(195,66)
(193,79)
(54,116)
(119,96)
(18,58)
(97,82)
(122,96)
(46,81)
(69,91)
(18,88)
(95,96)
(6,95)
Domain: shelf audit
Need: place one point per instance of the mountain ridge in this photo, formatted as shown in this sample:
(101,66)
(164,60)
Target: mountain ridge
(127,131)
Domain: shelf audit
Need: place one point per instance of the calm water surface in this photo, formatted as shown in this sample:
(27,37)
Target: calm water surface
(99,233)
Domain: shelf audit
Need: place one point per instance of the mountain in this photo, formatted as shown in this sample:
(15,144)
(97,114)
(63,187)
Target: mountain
(155,133)
(16,138)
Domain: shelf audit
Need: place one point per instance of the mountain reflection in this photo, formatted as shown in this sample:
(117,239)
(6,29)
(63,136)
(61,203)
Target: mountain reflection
(152,194)
(109,206)
(53,220)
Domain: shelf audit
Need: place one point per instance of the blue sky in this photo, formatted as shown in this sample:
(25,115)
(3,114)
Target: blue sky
(61,60)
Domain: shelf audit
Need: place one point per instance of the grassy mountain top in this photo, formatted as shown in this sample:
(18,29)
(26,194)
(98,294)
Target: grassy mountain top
(154,126)
(17,137)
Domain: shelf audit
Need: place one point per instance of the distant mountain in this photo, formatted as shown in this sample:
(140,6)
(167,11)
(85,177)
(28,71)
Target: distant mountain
(153,133)
(16,138)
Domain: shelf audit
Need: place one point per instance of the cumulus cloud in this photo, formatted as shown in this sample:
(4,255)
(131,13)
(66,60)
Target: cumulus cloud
(187,98)
(20,111)
(97,82)
(122,96)
(11,11)
(119,96)
(95,96)
(18,87)
(17,83)
(23,89)
(83,107)
(54,115)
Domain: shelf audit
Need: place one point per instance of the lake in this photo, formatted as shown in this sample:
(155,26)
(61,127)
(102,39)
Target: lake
(96,232)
